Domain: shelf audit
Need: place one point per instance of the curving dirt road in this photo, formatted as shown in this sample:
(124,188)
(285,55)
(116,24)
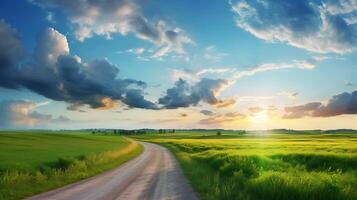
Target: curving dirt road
(155,174)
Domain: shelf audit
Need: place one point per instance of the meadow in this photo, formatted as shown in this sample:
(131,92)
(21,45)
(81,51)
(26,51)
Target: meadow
(266,165)
(35,161)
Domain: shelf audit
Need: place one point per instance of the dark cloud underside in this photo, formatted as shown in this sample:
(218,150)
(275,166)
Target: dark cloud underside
(344,103)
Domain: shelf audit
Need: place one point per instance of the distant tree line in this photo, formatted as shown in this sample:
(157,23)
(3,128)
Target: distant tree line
(131,132)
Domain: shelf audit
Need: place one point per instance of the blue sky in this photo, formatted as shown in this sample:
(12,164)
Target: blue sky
(178,64)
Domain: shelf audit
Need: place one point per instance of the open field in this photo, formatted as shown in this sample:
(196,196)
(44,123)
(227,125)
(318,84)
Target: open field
(266,165)
(35,162)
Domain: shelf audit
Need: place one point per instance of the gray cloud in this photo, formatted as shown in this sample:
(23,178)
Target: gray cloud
(225,118)
(321,27)
(207,112)
(184,95)
(105,18)
(217,118)
(10,53)
(134,98)
(61,119)
(349,84)
(57,75)
(63,77)
(183,114)
(22,114)
(344,103)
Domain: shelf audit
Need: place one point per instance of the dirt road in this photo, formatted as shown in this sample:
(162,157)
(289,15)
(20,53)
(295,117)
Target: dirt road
(155,174)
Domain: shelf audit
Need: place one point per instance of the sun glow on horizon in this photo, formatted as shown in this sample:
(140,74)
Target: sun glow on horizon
(260,118)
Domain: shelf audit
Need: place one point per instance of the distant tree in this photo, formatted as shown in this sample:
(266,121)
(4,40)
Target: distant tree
(219,133)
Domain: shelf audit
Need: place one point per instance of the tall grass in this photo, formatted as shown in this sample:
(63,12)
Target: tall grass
(275,167)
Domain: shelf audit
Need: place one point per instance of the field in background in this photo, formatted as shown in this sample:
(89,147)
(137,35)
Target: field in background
(33,162)
(265,165)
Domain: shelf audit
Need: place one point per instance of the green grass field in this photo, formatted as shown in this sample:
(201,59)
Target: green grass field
(35,162)
(265,165)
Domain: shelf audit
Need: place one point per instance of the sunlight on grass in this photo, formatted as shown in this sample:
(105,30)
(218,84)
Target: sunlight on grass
(267,166)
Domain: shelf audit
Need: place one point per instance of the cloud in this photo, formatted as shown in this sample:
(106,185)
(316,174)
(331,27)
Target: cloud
(256,109)
(234,74)
(349,84)
(107,103)
(51,45)
(213,71)
(290,95)
(318,26)
(136,51)
(225,103)
(255,98)
(63,77)
(235,115)
(10,54)
(104,18)
(183,114)
(184,95)
(139,52)
(340,6)
(273,66)
(22,114)
(344,103)
(185,74)
(211,53)
(61,119)
(57,75)
(134,98)
(207,112)
(219,118)
(192,76)
(225,118)
(50,17)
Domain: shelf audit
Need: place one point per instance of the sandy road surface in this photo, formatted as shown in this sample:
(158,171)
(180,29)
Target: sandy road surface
(155,174)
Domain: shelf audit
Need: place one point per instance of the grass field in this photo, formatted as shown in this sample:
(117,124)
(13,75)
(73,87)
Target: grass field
(35,162)
(265,165)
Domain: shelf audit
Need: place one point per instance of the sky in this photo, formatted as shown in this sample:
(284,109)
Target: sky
(230,64)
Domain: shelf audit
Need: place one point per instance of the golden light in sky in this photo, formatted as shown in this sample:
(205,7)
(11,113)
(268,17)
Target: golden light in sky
(260,118)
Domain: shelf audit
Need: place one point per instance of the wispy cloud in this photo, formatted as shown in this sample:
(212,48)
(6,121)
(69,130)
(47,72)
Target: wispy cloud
(235,74)
(211,53)
(255,98)
(273,66)
(218,119)
(195,76)
(290,95)
(136,51)
(349,84)
(50,17)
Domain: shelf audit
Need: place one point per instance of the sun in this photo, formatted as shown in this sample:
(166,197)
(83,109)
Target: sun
(259,118)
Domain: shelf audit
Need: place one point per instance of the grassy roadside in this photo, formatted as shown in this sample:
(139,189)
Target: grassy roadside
(275,167)
(48,161)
